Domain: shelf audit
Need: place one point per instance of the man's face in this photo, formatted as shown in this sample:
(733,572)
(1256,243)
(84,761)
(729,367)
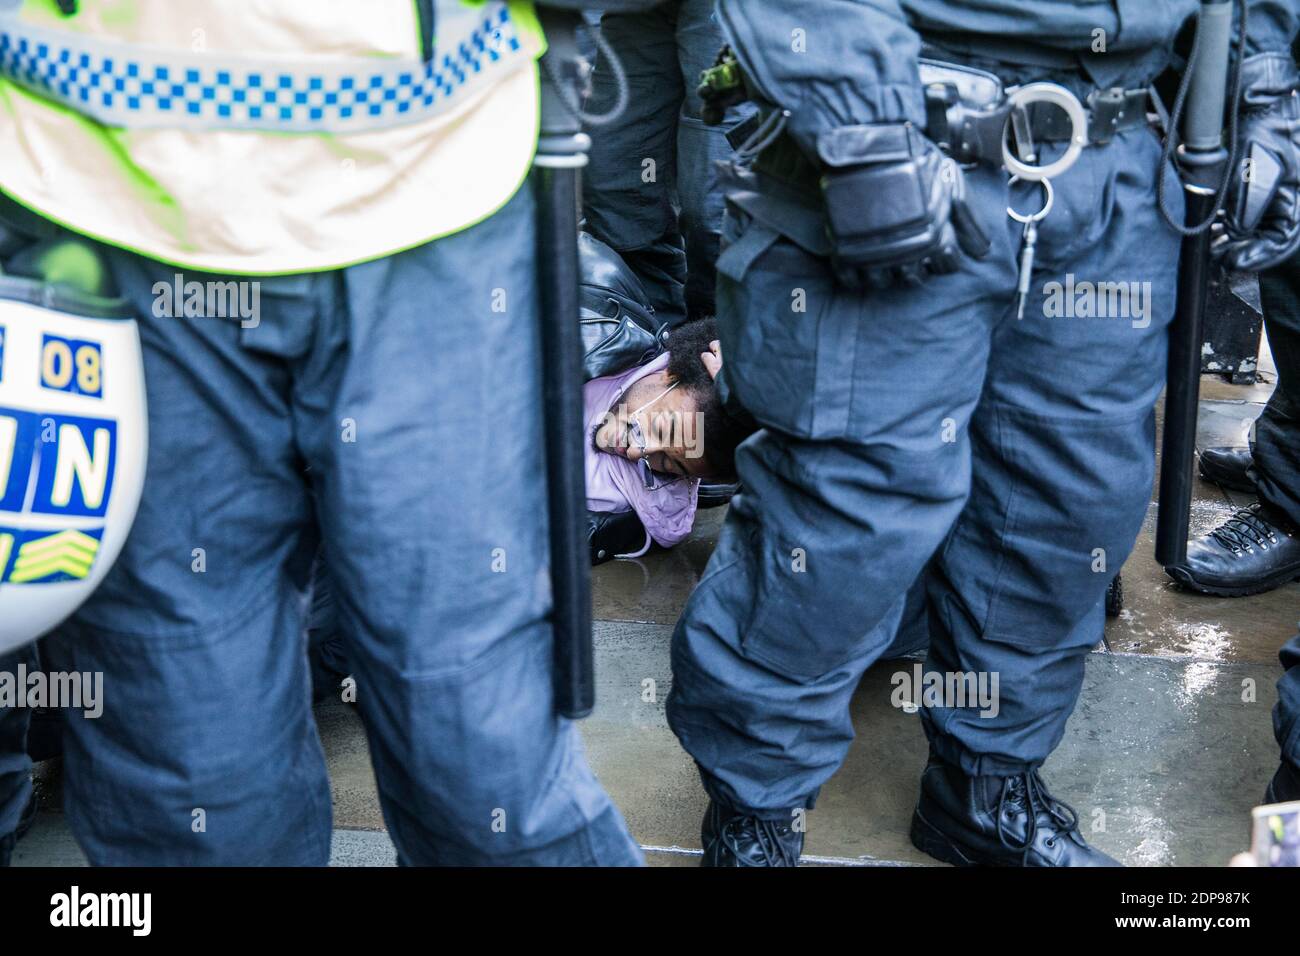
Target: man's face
(671,427)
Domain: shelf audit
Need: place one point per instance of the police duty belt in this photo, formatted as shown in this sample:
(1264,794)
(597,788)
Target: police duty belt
(969,115)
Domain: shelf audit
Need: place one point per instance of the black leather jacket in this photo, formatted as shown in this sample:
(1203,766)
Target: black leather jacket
(619,331)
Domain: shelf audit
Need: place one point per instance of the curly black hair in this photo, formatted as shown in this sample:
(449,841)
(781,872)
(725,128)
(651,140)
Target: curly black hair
(722,433)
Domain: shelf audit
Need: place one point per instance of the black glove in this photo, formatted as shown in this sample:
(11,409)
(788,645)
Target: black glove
(1263,207)
(895,206)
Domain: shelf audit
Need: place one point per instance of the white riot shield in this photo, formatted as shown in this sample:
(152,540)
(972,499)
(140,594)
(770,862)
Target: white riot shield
(73,443)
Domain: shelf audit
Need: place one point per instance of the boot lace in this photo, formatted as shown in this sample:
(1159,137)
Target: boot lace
(1028,791)
(1243,531)
(766,836)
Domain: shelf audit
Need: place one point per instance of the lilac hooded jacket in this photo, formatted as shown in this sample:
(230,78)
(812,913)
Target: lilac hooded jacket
(613,482)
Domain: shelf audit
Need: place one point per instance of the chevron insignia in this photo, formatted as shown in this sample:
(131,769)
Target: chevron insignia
(58,556)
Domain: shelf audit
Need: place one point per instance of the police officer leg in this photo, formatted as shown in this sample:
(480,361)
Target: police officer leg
(1285,784)
(1277,434)
(860,469)
(630,184)
(423,428)
(326,647)
(700,148)
(15,767)
(1063,465)
(206,751)
(1258,548)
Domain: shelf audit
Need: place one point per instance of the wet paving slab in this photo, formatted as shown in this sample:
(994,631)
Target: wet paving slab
(352,780)
(653,589)
(1226,422)
(50,843)
(1163,759)
(1160,618)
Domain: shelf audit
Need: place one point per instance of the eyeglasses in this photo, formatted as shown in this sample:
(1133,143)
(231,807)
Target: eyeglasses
(651,478)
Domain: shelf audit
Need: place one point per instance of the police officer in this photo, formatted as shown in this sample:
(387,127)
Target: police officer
(867,309)
(1258,548)
(344,182)
(1274,470)
(1285,785)
(651,190)
(15,767)
(17,808)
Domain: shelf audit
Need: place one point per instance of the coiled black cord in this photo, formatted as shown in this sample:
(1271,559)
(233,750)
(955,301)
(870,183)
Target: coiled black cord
(1171,137)
(573,100)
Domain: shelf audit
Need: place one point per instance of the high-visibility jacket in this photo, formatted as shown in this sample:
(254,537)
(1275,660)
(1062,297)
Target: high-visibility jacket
(267,136)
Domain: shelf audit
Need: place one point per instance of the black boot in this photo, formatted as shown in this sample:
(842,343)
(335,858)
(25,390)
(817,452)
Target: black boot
(1285,785)
(736,839)
(997,821)
(1228,467)
(1255,550)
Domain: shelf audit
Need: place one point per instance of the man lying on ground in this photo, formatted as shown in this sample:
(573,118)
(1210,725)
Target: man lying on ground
(655,431)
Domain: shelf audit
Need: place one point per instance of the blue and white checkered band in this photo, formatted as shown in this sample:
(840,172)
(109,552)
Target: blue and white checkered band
(137,87)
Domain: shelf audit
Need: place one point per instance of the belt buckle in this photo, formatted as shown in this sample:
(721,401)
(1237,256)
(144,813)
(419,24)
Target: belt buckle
(1019,98)
(1108,108)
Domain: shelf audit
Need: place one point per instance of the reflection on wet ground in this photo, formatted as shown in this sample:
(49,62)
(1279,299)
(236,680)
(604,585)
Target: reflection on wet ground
(1159,618)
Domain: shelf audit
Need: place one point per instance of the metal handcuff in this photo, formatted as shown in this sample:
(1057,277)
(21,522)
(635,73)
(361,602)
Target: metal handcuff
(1022,167)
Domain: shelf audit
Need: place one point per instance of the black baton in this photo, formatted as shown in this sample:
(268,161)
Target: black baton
(1201,159)
(561,153)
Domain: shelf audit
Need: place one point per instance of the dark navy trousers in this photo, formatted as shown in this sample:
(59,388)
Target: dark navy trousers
(385,409)
(1276,449)
(651,188)
(927,428)
(1276,444)
(15,767)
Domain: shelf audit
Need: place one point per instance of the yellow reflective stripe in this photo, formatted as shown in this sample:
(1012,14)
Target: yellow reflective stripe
(65,565)
(70,568)
(68,552)
(63,541)
(6,546)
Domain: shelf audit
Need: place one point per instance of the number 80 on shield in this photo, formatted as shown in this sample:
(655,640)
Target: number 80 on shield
(72,365)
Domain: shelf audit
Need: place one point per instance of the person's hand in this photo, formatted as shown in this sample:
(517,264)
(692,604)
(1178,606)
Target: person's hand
(1263,209)
(712,359)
